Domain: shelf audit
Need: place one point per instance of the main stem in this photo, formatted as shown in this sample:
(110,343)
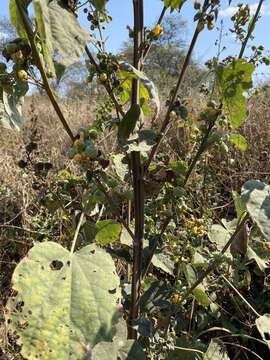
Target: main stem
(138,184)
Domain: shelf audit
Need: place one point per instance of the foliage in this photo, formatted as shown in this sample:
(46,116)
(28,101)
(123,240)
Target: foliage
(135,205)
(83,280)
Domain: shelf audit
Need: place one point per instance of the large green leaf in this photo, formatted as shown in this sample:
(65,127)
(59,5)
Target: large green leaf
(234,80)
(65,302)
(174,4)
(11,101)
(263,325)
(216,351)
(108,231)
(60,31)
(256,196)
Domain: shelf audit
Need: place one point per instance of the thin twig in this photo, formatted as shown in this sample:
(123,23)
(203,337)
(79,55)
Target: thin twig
(106,85)
(241,296)
(250,29)
(76,233)
(174,95)
(217,261)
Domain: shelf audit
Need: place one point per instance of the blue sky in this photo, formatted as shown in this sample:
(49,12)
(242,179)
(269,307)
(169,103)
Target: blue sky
(121,12)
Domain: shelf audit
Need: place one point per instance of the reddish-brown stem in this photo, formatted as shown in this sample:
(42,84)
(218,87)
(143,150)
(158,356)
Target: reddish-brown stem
(138,183)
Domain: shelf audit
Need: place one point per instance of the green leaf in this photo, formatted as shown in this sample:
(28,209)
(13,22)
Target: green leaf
(120,348)
(179,166)
(239,142)
(201,297)
(128,123)
(11,102)
(65,302)
(216,351)
(240,207)
(147,87)
(125,237)
(219,235)
(164,263)
(120,167)
(99,4)
(263,325)
(256,196)
(252,255)
(108,231)
(174,4)
(233,81)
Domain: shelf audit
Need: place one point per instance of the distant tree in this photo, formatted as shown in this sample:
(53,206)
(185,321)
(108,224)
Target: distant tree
(166,57)
(7,32)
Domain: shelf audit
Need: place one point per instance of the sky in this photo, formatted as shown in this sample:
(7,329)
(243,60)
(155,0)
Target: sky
(121,12)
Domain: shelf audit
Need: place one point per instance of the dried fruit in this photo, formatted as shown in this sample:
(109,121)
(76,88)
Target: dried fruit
(77,157)
(210,26)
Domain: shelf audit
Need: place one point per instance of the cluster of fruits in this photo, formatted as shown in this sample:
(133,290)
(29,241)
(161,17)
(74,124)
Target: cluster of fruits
(209,113)
(206,14)
(84,149)
(106,71)
(96,18)
(19,52)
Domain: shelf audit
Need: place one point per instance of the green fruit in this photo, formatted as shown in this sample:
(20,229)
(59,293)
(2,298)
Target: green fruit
(93,134)
(78,144)
(22,75)
(91,151)
(11,48)
(71,153)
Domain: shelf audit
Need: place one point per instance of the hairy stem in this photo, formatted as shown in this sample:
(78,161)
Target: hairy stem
(138,183)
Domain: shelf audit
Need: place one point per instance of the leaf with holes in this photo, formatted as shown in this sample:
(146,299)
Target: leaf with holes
(108,231)
(75,293)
